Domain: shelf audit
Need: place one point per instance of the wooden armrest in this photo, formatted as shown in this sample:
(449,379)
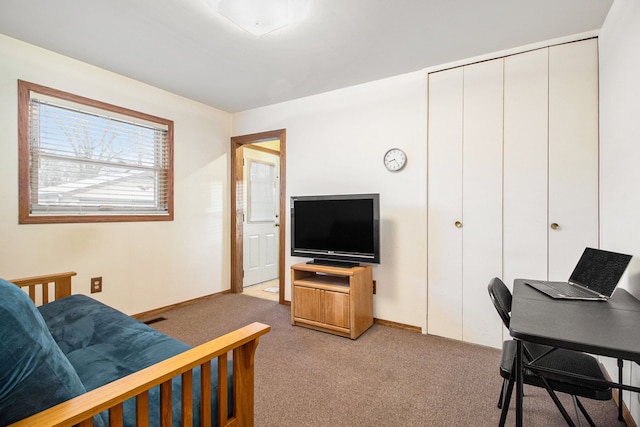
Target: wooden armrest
(242,342)
(37,280)
(62,282)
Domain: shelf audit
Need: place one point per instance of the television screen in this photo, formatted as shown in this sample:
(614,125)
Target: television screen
(343,228)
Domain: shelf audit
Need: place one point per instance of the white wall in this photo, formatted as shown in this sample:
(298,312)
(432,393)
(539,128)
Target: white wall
(619,47)
(144,265)
(335,144)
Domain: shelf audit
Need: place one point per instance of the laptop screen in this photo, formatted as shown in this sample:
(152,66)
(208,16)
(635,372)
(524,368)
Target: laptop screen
(600,270)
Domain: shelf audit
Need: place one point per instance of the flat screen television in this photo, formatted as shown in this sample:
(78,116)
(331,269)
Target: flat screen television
(339,230)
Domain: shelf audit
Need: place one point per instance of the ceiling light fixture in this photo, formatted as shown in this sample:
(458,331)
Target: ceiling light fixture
(260,17)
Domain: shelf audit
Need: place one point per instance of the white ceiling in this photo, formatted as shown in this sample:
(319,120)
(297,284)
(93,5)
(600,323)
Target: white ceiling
(184,47)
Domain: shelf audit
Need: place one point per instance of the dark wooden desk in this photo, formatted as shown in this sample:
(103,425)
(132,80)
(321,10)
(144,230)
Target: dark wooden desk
(609,328)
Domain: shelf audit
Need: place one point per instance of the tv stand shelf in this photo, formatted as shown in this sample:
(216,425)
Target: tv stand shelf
(324,281)
(332,299)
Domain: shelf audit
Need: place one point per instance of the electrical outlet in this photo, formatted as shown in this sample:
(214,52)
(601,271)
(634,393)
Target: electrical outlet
(96,284)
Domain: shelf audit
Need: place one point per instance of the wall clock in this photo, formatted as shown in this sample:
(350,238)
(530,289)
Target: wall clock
(395,159)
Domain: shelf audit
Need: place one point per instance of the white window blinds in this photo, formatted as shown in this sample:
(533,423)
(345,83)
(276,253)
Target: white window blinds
(85,160)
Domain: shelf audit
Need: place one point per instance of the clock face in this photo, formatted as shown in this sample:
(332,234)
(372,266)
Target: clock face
(395,159)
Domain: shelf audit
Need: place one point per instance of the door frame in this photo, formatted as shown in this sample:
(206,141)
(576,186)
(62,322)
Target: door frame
(237,209)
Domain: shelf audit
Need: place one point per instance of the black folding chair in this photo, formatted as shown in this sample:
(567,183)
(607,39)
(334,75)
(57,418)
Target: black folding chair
(561,360)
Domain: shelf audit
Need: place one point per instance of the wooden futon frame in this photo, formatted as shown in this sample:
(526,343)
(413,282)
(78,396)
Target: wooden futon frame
(80,410)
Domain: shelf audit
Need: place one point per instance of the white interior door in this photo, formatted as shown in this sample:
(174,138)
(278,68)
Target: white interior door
(444,299)
(261,222)
(573,154)
(482,199)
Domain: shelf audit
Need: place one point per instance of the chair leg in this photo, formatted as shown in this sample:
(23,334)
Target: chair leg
(506,401)
(502,391)
(575,407)
(584,412)
(563,411)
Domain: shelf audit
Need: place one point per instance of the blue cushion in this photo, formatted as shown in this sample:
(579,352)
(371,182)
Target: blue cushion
(92,335)
(34,372)
(102,343)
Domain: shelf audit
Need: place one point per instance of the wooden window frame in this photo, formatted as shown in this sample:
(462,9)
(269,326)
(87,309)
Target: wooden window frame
(24,179)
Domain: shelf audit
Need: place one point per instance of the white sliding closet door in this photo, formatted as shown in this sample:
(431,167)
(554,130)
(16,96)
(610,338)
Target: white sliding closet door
(526,109)
(444,316)
(573,154)
(513,151)
(465,201)
(481,199)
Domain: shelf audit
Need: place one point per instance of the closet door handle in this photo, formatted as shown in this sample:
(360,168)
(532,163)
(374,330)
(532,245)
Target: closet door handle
(458,224)
(554,226)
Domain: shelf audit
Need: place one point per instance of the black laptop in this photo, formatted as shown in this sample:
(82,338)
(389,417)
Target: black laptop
(595,277)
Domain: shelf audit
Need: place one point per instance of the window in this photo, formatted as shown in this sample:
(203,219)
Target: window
(82,160)
(262,192)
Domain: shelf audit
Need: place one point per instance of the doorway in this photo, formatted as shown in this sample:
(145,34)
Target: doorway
(258,209)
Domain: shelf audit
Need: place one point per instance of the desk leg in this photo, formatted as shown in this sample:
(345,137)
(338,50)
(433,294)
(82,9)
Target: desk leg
(620,365)
(519,385)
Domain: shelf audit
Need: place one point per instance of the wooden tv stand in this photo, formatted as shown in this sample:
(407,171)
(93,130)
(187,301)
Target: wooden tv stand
(332,299)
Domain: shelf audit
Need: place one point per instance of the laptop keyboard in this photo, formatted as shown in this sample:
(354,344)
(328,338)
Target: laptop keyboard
(567,289)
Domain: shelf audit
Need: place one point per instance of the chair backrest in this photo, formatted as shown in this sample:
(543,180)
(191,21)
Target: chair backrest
(501,299)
